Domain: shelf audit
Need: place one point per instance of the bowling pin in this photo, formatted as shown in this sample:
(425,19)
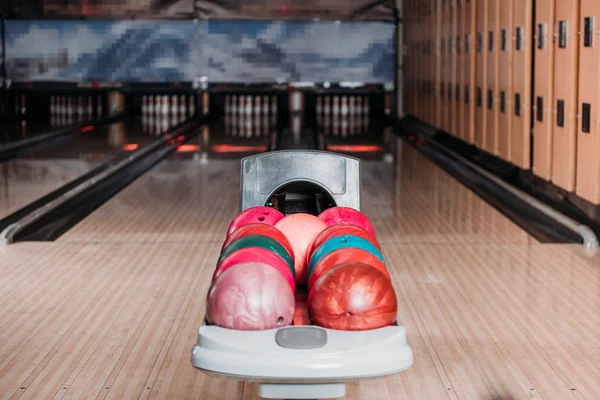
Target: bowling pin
(366,108)
(234,107)
(227,105)
(242,105)
(52,105)
(257,105)
(248,105)
(174,105)
(352,106)
(359,105)
(319,106)
(327,108)
(265,107)
(344,107)
(90,109)
(182,108)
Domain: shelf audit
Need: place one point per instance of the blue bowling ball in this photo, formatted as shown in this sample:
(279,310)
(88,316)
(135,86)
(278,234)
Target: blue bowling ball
(341,242)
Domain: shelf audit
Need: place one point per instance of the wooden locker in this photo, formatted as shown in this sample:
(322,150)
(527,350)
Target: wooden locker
(445,67)
(437,20)
(427,67)
(588,142)
(505,62)
(455,86)
(432,67)
(468,73)
(481,74)
(491,95)
(564,106)
(520,141)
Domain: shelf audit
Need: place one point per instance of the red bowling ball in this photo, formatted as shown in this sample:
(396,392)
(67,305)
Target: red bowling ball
(346,215)
(254,215)
(260,229)
(250,296)
(351,297)
(257,255)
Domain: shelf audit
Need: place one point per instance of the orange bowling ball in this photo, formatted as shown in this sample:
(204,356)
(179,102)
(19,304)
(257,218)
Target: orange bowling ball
(352,297)
(342,256)
(301,230)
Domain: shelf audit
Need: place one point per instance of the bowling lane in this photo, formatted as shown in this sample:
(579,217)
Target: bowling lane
(184,198)
(22,130)
(193,197)
(35,174)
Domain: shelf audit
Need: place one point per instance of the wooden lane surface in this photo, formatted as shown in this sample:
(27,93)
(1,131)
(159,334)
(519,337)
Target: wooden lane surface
(409,201)
(108,320)
(490,313)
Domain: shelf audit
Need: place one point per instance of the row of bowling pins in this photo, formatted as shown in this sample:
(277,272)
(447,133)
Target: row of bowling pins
(343,105)
(248,105)
(158,124)
(349,126)
(70,108)
(248,127)
(168,105)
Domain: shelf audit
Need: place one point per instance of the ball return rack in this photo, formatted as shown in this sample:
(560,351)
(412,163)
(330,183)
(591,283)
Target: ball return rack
(301,362)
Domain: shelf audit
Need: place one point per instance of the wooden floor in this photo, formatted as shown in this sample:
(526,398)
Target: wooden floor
(110,310)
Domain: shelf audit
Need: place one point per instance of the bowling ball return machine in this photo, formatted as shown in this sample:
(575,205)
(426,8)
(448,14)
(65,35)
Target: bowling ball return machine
(301,362)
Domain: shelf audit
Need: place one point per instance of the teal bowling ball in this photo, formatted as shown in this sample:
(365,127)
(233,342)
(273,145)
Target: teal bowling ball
(341,242)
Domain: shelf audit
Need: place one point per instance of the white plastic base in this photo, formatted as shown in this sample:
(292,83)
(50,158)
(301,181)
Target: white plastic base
(346,356)
(291,391)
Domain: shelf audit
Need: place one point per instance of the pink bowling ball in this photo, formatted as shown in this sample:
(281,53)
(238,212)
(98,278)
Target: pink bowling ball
(250,296)
(346,215)
(253,215)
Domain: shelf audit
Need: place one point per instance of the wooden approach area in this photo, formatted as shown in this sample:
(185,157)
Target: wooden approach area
(111,309)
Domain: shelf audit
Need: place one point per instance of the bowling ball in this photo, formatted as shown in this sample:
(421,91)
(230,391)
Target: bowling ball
(301,230)
(346,215)
(259,241)
(250,296)
(337,230)
(259,255)
(352,297)
(260,229)
(258,214)
(343,242)
(342,256)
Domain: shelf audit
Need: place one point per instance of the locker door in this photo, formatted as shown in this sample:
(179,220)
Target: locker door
(481,75)
(564,106)
(588,143)
(469,73)
(438,62)
(543,89)
(444,45)
(491,95)
(521,103)
(505,62)
(455,87)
